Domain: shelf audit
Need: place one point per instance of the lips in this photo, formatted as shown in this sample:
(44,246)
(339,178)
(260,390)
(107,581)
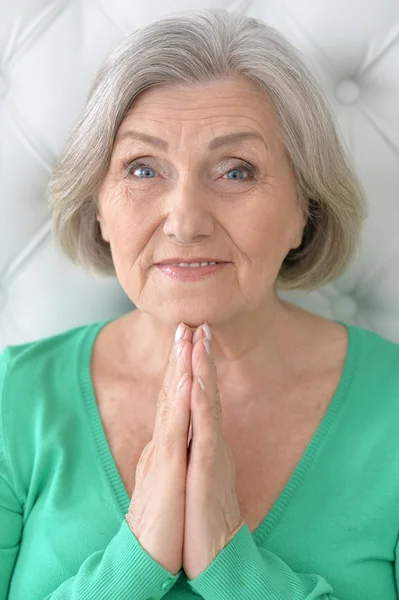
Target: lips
(187,274)
(176,261)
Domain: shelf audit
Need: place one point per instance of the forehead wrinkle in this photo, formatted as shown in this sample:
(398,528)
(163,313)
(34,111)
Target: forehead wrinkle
(235,138)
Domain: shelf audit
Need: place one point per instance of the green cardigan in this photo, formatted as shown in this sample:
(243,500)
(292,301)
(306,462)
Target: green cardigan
(331,534)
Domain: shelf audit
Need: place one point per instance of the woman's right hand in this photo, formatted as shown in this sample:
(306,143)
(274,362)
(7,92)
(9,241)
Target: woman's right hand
(156,511)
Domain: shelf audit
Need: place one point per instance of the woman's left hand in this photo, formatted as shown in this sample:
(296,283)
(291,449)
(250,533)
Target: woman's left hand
(212,513)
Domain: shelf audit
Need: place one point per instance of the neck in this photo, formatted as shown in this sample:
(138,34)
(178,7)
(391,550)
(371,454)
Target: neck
(248,349)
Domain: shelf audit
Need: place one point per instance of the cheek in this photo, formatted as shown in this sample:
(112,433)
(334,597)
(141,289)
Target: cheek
(261,229)
(126,224)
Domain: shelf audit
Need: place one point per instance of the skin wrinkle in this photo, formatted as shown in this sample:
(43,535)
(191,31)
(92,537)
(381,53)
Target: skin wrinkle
(191,208)
(163,145)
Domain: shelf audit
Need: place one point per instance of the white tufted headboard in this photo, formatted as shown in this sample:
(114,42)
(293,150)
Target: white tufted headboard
(49,53)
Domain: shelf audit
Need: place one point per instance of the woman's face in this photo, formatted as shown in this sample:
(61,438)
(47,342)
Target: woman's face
(234,202)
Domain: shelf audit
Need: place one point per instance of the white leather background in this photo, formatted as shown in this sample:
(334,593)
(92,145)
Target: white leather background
(49,53)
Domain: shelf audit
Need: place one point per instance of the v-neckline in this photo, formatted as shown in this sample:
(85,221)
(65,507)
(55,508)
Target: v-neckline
(121,498)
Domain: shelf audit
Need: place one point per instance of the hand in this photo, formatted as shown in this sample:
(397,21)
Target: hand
(212,513)
(156,511)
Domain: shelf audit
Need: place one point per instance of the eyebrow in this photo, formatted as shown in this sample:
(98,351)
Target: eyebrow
(215,143)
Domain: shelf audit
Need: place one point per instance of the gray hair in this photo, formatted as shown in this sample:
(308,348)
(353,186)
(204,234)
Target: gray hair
(199,46)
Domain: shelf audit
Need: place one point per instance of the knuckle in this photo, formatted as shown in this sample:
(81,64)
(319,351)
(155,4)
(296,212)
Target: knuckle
(163,396)
(217,412)
(168,439)
(163,403)
(171,447)
(164,415)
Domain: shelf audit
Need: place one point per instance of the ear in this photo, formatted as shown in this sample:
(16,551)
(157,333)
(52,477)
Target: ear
(103,227)
(298,233)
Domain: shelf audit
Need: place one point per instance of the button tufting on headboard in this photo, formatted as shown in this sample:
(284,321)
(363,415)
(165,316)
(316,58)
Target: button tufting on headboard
(347,91)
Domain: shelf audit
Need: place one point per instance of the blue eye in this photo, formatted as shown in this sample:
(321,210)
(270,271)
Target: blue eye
(139,165)
(248,170)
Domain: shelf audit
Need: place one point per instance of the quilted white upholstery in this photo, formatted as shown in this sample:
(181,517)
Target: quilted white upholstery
(49,53)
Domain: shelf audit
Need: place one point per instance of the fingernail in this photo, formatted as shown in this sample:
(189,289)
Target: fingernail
(179,332)
(179,348)
(207,331)
(202,384)
(207,346)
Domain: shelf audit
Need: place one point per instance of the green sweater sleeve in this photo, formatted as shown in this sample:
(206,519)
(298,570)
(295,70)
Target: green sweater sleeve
(122,570)
(243,571)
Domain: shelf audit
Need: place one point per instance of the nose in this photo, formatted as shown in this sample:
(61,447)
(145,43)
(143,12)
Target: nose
(189,217)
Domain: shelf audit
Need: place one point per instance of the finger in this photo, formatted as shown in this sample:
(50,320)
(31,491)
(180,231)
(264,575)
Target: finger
(198,335)
(207,420)
(205,396)
(173,407)
(202,358)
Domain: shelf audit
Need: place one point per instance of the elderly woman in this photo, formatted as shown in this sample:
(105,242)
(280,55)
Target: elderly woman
(217,441)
